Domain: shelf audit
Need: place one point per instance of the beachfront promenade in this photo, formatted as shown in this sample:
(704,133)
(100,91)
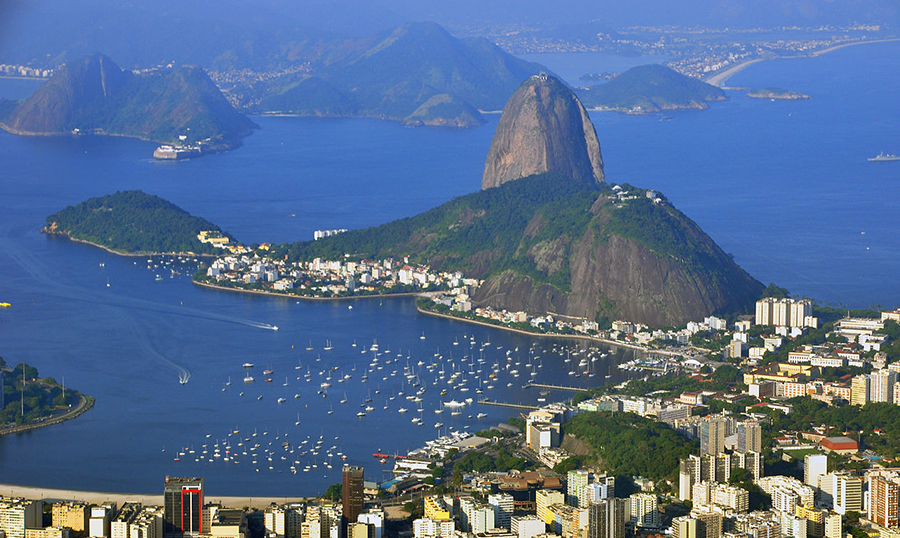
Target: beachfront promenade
(99,497)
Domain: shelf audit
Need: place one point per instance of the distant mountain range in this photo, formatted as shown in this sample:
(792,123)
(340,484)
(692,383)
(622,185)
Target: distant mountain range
(268,35)
(651,88)
(93,95)
(418,73)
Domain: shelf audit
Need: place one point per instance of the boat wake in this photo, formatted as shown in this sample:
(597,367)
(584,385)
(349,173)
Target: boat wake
(143,341)
(50,285)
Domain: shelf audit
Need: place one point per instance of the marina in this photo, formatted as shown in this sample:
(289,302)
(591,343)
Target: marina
(127,343)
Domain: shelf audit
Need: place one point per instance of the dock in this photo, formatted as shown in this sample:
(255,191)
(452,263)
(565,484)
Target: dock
(505,404)
(554,387)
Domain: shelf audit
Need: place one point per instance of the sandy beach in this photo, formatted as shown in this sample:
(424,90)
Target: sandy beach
(98,497)
(719,79)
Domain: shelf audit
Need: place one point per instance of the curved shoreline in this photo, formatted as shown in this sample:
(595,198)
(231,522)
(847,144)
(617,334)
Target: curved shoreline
(83,406)
(719,79)
(589,338)
(120,253)
(98,497)
(308,298)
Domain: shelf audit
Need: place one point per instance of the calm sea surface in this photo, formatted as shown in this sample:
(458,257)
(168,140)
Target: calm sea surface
(783,186)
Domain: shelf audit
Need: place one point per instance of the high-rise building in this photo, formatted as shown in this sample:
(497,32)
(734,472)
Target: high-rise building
(433,528)
(814,466)
(481,519)
(834,526)
(543,498)
(183,504)
(881,386)
(859,390)
(749,436)
(606,518)
(352,498)
(884,501)
(527,526)
(282,522)
(375,520)
(750,461)
(685,527)
(815,520)
(577,480)
(847,493)
(502,503)
(16,515)
(709,523)
(73,515)
(645,510)
(712,435)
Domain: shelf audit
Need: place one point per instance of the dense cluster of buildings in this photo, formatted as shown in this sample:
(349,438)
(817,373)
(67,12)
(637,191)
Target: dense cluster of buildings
(186,514)
(329,278)
(23,71)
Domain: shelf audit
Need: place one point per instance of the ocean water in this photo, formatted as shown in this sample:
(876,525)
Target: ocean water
(783,186)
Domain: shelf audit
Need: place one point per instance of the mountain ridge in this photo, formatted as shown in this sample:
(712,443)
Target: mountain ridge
(93,95)
(393,75)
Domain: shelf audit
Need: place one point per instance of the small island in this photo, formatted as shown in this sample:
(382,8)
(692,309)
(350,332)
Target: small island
(776,93)
(650,89)
(33,402)
(136,223)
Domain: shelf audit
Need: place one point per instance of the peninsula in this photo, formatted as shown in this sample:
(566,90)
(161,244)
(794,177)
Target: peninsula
(34,402)
(136,223)
(648,89)
(546,234)
(93,95)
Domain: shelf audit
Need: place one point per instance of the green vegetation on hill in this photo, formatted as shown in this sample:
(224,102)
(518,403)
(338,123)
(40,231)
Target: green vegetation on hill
(133,222)
(568,247)
(627,444)
(653,88)
(479,233)
(40,398)
(93,95)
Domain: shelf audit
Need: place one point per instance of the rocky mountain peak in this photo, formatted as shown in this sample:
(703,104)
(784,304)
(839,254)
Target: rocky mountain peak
(544,128)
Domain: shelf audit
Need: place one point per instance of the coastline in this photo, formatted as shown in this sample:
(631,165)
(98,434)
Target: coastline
(83,406)
(719,79)
(120,253)
(308,298)
(99,497)
(588,338)
(223,146)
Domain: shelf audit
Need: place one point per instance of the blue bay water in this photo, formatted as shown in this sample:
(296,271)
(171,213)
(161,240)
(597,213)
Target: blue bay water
(783,186)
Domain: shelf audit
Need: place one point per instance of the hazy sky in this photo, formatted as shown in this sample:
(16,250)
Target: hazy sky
(134,29)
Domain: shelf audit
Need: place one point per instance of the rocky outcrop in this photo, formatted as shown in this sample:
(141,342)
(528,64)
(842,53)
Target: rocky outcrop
(619,277)
(544,128)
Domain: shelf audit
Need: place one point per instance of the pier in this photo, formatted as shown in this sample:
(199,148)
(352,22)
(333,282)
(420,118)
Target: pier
(504,404)
(556,387)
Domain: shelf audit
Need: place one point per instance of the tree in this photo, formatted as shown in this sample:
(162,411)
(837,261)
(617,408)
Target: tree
(333,492)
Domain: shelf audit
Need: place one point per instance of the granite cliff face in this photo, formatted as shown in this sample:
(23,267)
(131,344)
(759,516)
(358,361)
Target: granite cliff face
(544,128)
(642,261)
